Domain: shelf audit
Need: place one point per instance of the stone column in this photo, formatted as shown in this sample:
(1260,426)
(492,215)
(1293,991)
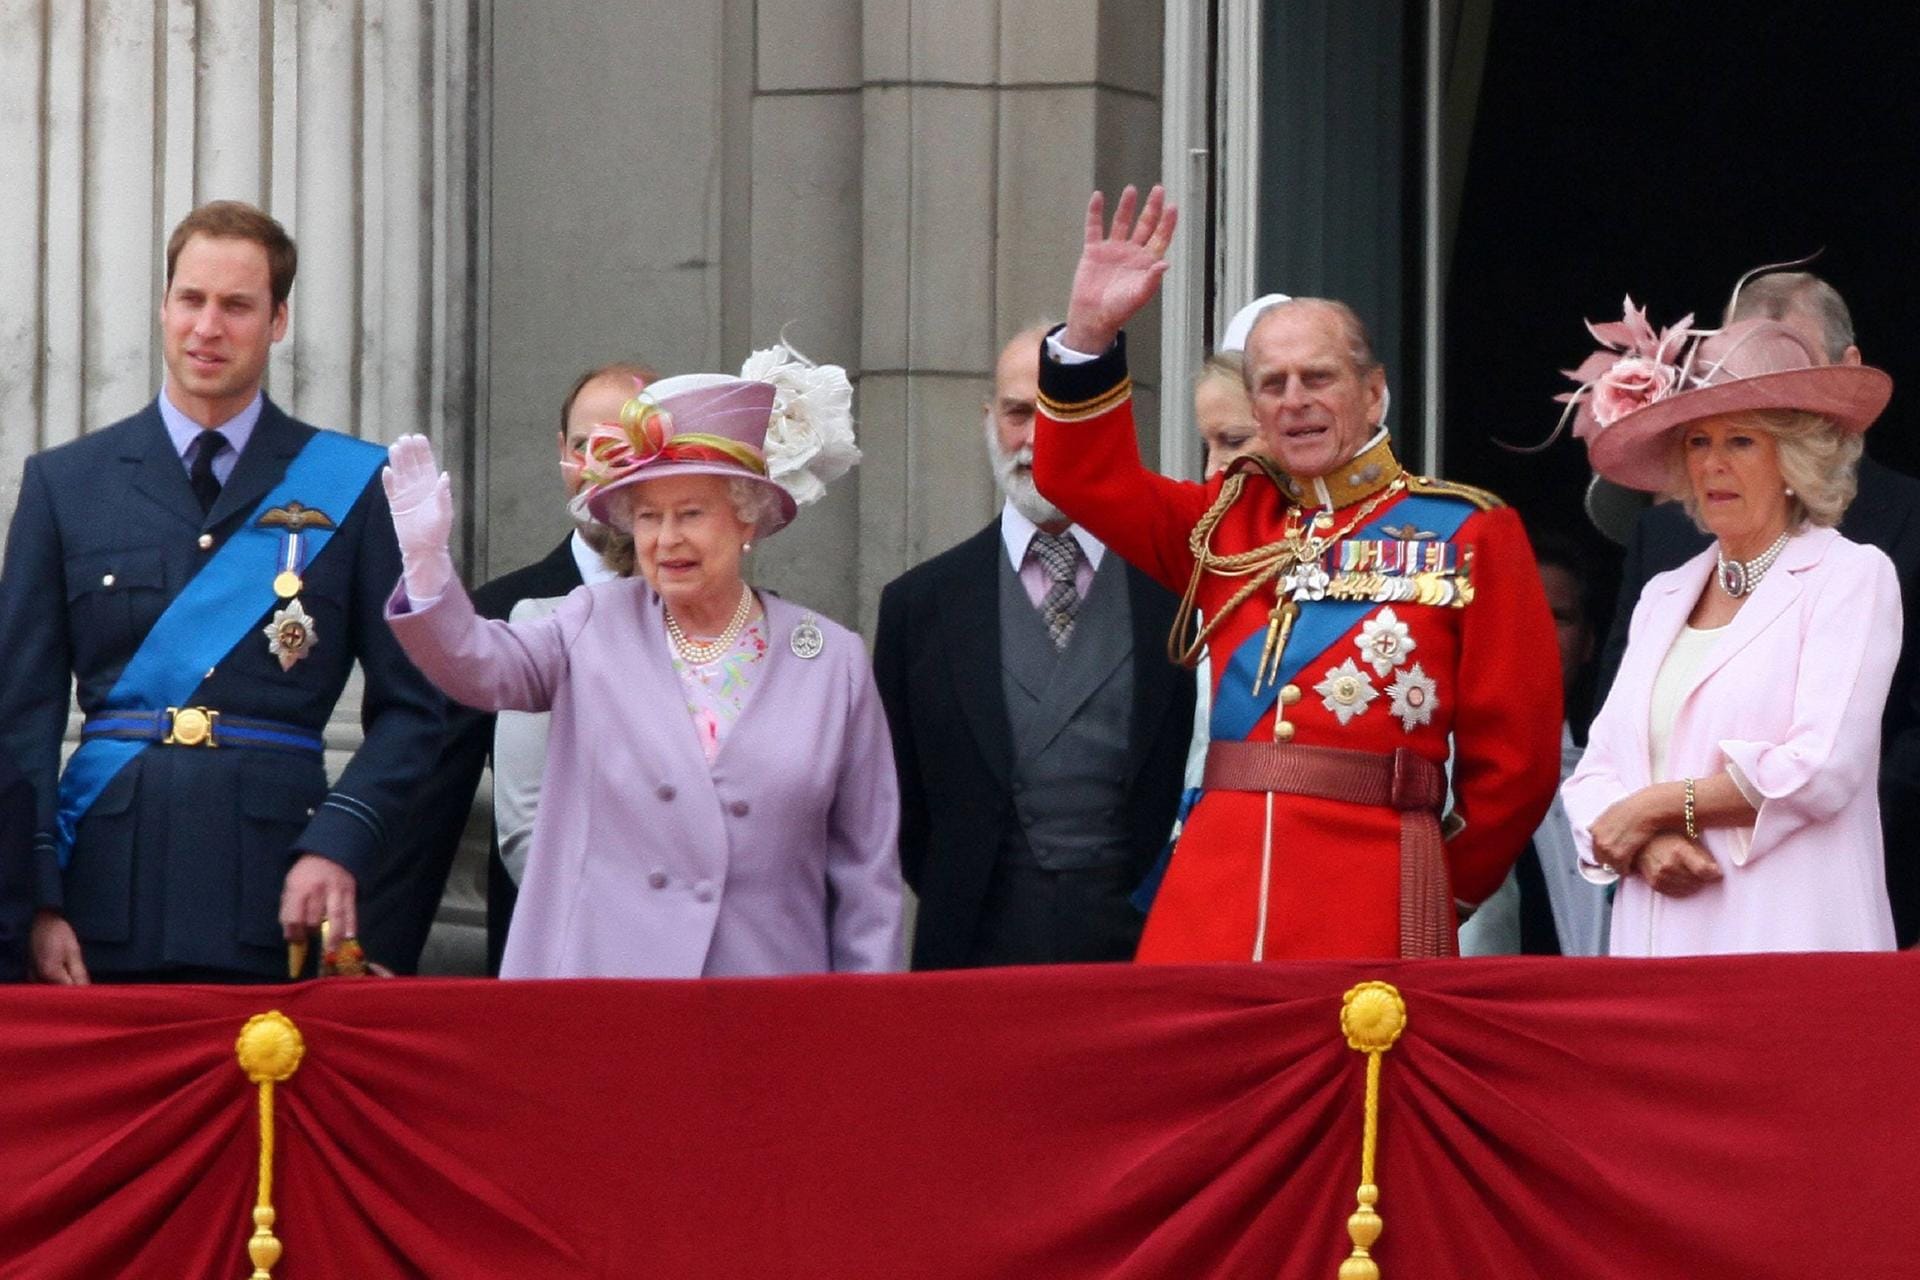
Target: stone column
(987,123)
(350,122)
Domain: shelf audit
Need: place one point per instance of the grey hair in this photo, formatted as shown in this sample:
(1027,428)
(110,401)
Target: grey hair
(1359,341)
(753,502)
(1776,296)
(1818,461)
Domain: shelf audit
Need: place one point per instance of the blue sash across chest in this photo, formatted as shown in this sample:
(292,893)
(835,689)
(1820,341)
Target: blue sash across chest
(214,612)
(1236,708)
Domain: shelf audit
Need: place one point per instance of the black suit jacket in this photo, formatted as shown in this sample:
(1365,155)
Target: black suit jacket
(180,861)
(1884,514)
(406,894)
(16,869)
(936,659)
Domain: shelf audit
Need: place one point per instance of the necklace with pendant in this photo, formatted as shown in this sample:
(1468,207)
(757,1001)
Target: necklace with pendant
(700,653)
(1739,577)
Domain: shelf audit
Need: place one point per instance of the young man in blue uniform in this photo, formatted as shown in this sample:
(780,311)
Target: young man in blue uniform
(204,575)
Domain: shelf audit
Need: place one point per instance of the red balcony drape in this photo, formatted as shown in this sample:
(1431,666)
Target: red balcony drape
(1744,1117)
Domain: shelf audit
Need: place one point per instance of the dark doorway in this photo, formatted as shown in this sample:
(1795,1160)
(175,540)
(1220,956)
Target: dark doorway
(1662,149)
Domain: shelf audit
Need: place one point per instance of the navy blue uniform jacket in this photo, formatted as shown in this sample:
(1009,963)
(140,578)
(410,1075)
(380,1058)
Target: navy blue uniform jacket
(180,861)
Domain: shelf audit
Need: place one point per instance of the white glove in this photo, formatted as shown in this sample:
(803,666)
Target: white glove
(421,498)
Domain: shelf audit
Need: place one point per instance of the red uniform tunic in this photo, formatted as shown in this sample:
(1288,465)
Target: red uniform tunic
(1406,674)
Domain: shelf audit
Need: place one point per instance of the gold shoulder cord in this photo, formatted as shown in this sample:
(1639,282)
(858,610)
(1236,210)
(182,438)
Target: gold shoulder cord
(1260,566)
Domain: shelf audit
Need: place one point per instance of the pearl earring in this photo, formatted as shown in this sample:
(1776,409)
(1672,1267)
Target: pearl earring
(1789,491)
(748,546)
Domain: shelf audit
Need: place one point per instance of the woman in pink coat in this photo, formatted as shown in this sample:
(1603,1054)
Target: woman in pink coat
(1729,782)
(719,794)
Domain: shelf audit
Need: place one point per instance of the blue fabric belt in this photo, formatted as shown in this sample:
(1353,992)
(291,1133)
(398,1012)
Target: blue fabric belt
(226,731)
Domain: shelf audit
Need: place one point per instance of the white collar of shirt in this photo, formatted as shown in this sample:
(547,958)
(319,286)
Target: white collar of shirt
(1017,532)
(593,570)
(184,430)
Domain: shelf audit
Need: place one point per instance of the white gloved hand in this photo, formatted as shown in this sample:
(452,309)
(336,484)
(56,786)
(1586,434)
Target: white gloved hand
(421,498)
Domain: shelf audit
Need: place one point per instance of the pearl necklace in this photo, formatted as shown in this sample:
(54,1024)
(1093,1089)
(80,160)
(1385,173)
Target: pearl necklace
(700,653)
(1738,578)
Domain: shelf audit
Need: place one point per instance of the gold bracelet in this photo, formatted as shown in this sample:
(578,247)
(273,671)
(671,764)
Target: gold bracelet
(1693,829)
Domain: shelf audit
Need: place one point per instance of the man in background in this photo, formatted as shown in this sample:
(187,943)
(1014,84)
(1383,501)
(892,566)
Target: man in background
(1038,727)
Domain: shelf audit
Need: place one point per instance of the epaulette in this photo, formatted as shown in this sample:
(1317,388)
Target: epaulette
(1433,487)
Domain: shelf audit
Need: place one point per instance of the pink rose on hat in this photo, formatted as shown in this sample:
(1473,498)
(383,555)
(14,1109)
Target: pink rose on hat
(1630,384)
(1636,366)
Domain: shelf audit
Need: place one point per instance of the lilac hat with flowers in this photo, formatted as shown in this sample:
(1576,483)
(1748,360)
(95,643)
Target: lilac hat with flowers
(785,423)
(1645,384)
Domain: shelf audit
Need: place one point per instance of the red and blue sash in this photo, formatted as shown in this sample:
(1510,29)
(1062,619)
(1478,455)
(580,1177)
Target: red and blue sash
(1320,624)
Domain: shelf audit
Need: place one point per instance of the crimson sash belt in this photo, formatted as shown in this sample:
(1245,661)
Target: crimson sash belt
(1403,780)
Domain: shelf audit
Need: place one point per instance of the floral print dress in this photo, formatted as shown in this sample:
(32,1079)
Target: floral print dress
(717,691)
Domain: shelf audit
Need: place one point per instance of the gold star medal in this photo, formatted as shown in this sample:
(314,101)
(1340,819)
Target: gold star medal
(291,635)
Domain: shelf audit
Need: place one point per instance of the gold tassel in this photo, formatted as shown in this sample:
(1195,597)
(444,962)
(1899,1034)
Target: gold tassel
(269,1049)
(1279,627)
(1372,1016)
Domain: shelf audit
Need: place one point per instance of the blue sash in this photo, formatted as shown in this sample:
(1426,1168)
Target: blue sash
(1236,709)
(214,612)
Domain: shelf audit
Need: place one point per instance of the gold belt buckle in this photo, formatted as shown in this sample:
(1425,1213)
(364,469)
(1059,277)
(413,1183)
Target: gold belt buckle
(192,727)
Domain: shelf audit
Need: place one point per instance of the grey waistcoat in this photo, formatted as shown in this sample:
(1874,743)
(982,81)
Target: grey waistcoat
(1070,713)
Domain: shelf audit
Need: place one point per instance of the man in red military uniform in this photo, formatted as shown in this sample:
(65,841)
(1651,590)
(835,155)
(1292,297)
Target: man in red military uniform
(1361,621)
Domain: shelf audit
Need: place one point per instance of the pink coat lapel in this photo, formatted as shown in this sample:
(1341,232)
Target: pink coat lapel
(1775,594)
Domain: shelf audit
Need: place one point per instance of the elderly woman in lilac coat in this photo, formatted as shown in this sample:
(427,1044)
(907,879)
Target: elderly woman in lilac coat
(719,795)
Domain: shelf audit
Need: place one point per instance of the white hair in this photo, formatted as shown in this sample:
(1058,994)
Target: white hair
(1013,474)
(753,502)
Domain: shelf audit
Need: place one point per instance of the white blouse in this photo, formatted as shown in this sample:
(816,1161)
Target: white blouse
(1690,649)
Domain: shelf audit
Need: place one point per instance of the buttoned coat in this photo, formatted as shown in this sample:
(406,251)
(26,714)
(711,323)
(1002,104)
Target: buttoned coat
(180,861)
(780,857)
(1792,693)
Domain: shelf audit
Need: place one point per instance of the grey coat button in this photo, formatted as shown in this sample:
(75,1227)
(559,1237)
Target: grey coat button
(703,890)
(205,541)
(665,791)
(106,580)
(739,808)
(657,879)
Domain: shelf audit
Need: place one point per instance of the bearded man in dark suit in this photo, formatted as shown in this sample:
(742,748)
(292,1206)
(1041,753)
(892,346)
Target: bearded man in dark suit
(1039,729)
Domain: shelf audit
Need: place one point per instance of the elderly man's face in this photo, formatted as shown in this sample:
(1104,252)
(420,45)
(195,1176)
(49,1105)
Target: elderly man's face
(1315,409)
(1016,395)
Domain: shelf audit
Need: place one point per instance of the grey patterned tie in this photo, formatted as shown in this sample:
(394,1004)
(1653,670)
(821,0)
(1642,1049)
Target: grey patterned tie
(1060,556)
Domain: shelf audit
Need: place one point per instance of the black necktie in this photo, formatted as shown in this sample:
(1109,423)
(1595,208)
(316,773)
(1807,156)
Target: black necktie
(206,485)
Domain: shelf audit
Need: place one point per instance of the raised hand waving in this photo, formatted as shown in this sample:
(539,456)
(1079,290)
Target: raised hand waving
(1120,267)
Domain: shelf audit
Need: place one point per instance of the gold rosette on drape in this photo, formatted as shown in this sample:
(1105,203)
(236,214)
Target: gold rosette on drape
(1372,1016)
(270,1050)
